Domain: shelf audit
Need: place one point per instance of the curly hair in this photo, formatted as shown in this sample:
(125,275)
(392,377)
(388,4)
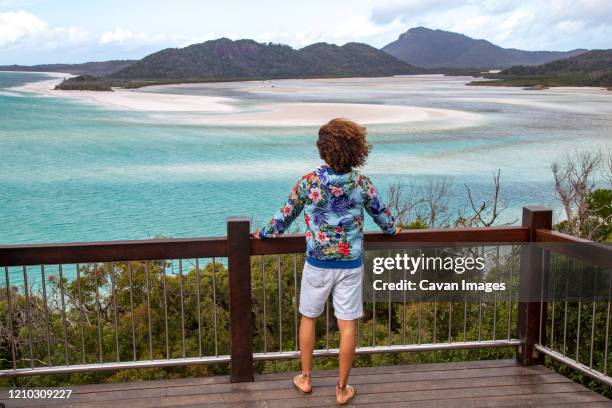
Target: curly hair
(342,144)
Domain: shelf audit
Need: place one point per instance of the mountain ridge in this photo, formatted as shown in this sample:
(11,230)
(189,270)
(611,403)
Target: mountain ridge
(98,68)
(427,48)
(592,68)
(225,58)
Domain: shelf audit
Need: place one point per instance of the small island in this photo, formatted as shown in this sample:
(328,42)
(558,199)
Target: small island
(85,83)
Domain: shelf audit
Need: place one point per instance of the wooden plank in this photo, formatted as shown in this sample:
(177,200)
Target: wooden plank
(241,319)
(377,383)
(384,384)
(440,385)
(539,400)
(294,243)
(403,368)
(177,248)
(594,253)
(547,235)
(598,404)
(531,311)
(112,251)
(370,394)
(453,235)
(378,397)
(369,371)
(536,400)
(144,385)
(434,379)
(578,399)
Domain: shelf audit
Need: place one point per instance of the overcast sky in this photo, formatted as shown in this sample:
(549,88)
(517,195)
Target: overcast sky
(45,31)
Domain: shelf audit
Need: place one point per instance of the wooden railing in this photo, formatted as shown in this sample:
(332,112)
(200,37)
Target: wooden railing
(238,248)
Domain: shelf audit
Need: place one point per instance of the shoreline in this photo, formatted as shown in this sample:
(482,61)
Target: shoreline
(225,111)
(125,99)
(41,87)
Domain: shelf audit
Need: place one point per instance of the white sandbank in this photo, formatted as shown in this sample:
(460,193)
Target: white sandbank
(41,87)
(132,99)
(215,110)
(154,102)
(314,114)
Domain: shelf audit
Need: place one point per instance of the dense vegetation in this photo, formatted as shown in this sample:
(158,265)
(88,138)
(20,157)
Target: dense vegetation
(592,68)
(220,58)
(224,58)
(228,60)
(432,320)
(99,314)
(85,82)
(428,48)
(355,59)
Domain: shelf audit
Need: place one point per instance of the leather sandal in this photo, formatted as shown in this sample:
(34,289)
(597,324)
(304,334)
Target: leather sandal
(296,383)
(351,391)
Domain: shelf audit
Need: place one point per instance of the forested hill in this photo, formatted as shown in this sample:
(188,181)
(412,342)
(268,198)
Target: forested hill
(356,58)
(594,63)
(243,59)
(592,68)
(97,68)
(429,48)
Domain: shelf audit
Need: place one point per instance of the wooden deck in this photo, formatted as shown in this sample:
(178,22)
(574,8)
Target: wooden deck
(500,383)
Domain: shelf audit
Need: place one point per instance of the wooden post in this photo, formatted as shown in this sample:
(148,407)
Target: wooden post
(241,319)
(532,313)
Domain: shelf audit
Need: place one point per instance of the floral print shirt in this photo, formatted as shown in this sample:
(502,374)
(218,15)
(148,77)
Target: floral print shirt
(333,207)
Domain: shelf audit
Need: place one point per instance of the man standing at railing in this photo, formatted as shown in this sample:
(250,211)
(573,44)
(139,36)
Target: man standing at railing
(333,198)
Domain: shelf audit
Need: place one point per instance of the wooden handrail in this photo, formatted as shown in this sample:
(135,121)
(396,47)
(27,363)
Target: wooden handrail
(544,235)
(206,247)
(112,251)
(294,243)
(594,253)
(185,248)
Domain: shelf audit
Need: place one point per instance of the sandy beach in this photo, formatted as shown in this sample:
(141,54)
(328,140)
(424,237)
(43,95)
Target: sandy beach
(215,110)
(313,114)
(132,99)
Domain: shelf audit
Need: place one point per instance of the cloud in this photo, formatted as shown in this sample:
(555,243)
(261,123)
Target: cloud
(25,29)
(411,9)
(395,10)
(597,12)
(526,24)
(542,24)
(352,28)
(15,26)
(200,39)
(569,26)
(14,3)
(122,36)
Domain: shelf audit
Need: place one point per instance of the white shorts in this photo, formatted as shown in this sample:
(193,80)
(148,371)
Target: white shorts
(345,285)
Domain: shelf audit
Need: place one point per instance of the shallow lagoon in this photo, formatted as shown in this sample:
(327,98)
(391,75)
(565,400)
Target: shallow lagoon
(76,171)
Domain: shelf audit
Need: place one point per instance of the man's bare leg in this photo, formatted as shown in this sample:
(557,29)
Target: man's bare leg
(347,352)
(307,340)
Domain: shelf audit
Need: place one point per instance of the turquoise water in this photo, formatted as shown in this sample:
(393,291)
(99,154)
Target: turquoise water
(74,171)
